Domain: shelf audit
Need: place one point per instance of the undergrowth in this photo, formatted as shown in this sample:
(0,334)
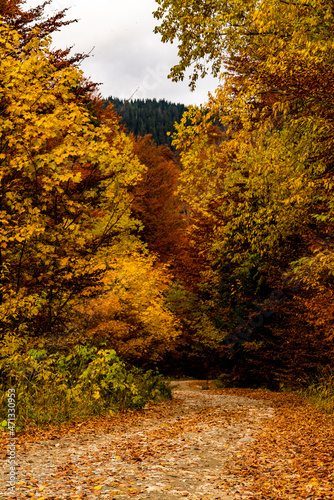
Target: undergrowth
(317,389)
(320,389)
(54,388)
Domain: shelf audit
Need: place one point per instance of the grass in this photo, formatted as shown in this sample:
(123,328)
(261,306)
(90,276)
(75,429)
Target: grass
(320,390)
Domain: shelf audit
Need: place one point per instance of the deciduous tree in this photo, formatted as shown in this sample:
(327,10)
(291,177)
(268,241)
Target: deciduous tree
(63,188)
(267,185)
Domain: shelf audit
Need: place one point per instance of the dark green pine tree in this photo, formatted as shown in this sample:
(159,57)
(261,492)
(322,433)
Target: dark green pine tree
(148,116)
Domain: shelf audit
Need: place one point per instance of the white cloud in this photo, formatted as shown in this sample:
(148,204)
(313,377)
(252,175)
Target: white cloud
(127,54)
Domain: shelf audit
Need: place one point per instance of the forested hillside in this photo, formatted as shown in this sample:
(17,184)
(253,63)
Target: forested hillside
(121,259)
(148,116)
(125,263)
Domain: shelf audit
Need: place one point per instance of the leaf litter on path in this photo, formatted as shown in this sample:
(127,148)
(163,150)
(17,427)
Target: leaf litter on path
(201,445)
(293,456)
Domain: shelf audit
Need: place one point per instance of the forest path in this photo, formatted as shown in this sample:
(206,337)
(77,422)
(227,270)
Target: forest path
(173,450)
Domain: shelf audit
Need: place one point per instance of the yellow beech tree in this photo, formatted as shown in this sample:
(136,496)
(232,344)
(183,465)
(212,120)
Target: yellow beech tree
(64,199)
(275,98)
(130,314)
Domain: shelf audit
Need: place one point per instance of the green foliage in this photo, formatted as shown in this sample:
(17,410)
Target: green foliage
(198,350)
(223,381)
(52,388)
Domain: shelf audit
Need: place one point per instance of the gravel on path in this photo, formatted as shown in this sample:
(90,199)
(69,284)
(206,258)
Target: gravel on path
(180,453)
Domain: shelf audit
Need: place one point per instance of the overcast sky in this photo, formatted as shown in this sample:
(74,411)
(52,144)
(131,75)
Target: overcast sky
(126,53)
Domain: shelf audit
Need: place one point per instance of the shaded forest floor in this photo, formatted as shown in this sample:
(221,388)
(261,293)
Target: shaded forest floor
(204,444)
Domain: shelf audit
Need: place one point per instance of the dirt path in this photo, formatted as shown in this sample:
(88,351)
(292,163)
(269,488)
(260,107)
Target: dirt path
(177,450)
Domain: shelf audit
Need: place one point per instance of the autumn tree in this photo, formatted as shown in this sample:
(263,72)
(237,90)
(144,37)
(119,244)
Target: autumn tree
(267,185)
(131,315)
(73,270)
(35,22)
(155,203)
(64,199)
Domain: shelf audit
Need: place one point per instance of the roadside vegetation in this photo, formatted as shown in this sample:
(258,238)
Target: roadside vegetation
(55,388)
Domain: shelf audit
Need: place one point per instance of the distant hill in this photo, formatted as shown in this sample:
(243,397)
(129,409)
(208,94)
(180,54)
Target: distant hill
(148,116)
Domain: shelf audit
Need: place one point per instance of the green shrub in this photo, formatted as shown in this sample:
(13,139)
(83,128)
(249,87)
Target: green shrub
(52,388)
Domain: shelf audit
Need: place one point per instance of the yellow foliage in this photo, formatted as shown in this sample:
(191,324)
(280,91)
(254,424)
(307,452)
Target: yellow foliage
(130,313)
(64,185)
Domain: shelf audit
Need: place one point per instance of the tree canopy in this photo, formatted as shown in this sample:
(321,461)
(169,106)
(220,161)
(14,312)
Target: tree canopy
(196,262)
(263,188)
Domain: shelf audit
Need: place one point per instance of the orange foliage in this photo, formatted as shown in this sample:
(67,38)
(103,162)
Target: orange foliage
(130,315)
(166,220)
